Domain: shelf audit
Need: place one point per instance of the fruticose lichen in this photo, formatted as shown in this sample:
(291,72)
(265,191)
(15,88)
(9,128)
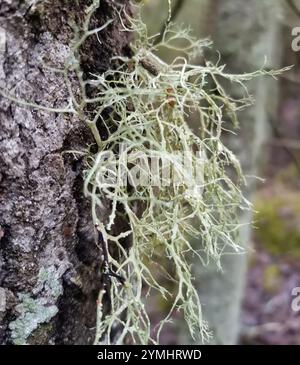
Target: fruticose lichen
(191,189)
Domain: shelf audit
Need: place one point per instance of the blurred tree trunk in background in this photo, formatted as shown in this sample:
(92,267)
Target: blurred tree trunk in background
(49,262)
(244,33)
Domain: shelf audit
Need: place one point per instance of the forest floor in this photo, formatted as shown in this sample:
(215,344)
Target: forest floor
(267,315)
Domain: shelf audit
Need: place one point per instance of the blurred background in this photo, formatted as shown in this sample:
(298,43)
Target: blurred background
(250,302)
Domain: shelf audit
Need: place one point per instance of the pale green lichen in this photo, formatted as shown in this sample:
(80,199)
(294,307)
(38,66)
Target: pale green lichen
(49,281)
(33,312)
(150,103)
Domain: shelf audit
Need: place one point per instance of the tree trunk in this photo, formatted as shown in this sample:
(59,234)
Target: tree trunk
(49,262)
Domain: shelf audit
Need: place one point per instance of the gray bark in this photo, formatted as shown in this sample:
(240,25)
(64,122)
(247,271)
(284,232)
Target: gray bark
(49,262)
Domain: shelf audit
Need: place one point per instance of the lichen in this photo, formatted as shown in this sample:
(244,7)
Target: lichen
(35,311)
(32,313)
(49,281)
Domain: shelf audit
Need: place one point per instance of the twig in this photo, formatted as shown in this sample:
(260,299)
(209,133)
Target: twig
(174,12)
(107,271)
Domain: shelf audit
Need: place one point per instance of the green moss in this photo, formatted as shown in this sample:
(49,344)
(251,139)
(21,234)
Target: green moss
(278,223)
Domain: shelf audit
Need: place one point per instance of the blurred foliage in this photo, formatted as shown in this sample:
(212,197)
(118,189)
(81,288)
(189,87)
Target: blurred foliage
(272,278)
(289,176)
(277,220)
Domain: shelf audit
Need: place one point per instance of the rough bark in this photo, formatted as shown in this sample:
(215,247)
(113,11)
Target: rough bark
(49,262)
